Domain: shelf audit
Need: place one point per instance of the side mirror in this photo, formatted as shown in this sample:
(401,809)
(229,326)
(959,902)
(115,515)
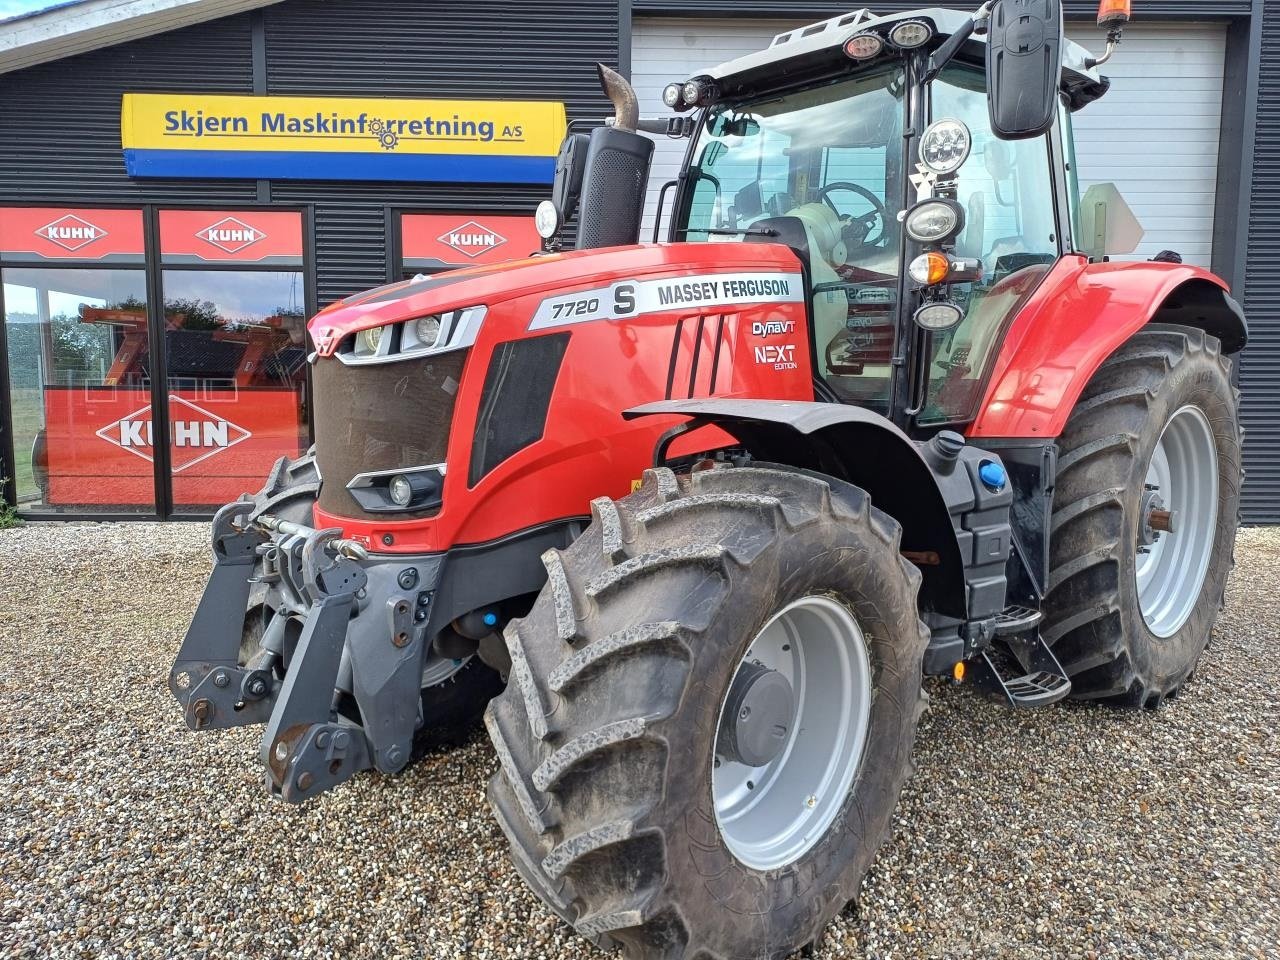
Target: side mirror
(1024,67)
(571,163)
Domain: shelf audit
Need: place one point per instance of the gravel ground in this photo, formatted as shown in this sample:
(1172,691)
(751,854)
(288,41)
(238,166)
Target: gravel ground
(1076,832)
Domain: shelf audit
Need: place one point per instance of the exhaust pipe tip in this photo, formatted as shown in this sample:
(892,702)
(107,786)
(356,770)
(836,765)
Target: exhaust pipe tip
(626,106)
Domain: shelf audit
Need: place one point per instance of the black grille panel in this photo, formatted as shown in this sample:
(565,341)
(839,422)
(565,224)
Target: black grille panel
(513,407)
(380,417)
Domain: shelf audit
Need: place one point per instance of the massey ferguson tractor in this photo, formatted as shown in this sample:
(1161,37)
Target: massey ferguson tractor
(699,515)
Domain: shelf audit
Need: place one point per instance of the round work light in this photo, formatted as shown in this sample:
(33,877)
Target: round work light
(864,46)
(400,490)
(546,219)
(945,146)
(910,34)
(671,94)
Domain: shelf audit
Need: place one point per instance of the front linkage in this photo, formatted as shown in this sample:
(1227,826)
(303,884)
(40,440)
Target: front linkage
(362,634)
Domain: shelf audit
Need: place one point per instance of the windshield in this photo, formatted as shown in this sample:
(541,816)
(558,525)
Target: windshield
(831,158)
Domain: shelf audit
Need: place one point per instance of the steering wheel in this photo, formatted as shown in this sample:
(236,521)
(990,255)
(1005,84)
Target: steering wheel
(866,221)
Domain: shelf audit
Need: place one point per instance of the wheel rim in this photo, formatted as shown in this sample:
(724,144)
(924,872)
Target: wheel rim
(438,669)
(1170,567)
(771,815)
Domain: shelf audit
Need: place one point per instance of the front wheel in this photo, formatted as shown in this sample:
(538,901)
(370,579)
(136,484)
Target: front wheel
(711,713)
(1144,517)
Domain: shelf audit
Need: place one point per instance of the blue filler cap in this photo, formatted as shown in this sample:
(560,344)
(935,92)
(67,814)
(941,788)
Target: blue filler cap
(491,618)
(992,475)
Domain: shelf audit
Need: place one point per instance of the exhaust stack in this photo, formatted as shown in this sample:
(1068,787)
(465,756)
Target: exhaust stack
(617,171)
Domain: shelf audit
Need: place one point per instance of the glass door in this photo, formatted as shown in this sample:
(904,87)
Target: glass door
(235,349)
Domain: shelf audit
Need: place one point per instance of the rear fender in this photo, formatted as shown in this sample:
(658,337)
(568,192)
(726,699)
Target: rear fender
(1078,317)
(854,445)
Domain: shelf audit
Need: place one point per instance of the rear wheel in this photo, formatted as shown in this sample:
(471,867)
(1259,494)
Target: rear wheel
(1145,516)
(711,713)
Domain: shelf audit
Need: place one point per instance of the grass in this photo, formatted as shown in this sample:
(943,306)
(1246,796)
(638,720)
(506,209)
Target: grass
(28,420)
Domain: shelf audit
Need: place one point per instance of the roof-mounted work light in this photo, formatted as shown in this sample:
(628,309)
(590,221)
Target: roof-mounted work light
(864,46)
(910,34)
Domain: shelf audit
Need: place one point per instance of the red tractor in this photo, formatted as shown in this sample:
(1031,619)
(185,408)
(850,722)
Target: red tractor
(702,513)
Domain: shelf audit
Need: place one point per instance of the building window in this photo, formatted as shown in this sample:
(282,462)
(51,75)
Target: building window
(79,331)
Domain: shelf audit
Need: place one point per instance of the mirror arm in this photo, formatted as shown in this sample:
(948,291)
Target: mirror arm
(946,53)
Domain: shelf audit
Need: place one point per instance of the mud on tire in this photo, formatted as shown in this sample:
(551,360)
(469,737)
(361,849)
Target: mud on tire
(1094,620)
(606,731)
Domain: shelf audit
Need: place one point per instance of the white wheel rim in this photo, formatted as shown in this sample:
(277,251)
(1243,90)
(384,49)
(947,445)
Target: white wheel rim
(791,802)
(1184,473)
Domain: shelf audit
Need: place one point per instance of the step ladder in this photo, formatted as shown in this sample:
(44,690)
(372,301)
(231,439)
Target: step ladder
(1019,667)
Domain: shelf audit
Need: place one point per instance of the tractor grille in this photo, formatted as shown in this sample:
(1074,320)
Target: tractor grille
(380,417)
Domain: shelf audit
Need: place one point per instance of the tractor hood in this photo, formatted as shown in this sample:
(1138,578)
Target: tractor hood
(486,286)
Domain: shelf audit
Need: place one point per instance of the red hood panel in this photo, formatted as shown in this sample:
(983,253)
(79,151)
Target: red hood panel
(487,285)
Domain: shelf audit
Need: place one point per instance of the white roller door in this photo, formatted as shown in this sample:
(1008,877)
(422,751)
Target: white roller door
(1155,134)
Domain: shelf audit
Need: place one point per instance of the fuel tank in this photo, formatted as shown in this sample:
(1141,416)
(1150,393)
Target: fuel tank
(513,413)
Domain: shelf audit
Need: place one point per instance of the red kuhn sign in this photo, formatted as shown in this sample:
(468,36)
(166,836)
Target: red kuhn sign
(236,236)
(101,443)
(67,233)
(433,240)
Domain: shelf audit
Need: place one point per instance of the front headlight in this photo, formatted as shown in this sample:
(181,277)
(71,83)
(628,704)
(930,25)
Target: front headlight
(427,330)
(934,221)
(368,340)
(400,490)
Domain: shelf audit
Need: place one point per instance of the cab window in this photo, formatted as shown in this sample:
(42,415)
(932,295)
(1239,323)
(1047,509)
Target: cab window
(1010,225)
(830,159)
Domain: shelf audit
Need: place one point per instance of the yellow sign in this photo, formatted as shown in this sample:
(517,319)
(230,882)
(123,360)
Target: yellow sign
(195,135)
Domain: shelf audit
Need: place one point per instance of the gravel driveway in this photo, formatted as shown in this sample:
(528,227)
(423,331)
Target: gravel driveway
(1076,832)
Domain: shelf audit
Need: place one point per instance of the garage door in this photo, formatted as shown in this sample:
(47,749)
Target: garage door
(1155,134)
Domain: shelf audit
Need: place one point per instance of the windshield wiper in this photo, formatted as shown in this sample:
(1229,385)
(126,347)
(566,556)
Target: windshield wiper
(733,231)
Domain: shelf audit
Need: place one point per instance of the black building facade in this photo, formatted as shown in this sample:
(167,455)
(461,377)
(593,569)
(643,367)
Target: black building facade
(61,150)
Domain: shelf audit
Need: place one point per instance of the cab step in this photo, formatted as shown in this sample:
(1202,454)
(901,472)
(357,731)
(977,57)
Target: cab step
(1015,620)
(1023,671)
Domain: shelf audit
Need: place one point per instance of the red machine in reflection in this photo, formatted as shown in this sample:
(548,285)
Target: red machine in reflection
(236,404)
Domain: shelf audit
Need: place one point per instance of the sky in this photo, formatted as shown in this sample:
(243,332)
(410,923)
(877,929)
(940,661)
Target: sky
(12,8)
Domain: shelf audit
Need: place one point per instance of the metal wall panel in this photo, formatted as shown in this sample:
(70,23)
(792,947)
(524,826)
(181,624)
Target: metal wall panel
(818,9)
(491,49)
(1260,367)
(60,122)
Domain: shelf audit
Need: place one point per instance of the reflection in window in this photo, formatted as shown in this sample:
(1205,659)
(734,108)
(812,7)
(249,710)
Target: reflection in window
(236,349)
(79,375)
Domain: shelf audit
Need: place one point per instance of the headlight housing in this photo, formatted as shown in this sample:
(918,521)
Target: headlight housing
(945,146)
(864,46)
(934,221)
(432,333)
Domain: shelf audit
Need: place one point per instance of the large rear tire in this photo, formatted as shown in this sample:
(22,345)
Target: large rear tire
(624,809)
(1157,429)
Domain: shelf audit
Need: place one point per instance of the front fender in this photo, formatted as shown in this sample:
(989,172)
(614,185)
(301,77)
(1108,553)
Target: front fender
(1078,317)
(854,445)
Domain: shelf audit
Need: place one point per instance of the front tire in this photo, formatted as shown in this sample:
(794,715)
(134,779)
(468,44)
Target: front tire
(609,730)
(1130,608)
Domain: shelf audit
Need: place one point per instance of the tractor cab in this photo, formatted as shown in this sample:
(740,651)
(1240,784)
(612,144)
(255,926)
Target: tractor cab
(876,156)
(898,158)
